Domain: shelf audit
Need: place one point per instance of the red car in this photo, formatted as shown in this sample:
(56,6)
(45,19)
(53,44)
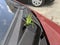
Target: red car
(26,27)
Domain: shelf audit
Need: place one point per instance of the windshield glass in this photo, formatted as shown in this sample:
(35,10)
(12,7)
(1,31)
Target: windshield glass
(6,17)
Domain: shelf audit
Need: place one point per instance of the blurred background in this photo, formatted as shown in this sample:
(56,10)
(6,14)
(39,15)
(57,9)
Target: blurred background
(50,11)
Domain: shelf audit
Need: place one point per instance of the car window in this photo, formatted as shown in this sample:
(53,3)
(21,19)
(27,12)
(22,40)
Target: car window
(6,17)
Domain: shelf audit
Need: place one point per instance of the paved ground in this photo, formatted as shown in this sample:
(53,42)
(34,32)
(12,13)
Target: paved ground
(52,12)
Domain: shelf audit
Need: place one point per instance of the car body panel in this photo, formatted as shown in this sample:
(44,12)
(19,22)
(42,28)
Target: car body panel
(52,30)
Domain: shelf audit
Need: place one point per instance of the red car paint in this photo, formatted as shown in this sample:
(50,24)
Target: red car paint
(52,30)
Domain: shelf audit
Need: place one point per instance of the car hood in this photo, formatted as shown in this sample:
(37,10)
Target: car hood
(52,30)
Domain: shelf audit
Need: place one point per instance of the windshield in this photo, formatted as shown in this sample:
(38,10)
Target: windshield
(6,17)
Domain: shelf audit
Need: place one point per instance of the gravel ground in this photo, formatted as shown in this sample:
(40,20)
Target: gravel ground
(51,11)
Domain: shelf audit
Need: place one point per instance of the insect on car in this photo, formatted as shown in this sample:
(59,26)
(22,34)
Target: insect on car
(26,27)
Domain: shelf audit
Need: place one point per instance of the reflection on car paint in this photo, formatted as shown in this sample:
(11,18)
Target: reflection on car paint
(6,17)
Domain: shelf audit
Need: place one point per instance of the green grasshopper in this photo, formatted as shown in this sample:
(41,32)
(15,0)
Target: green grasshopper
(29,20)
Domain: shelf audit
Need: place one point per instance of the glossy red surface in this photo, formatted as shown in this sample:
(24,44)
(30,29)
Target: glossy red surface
(52,30)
